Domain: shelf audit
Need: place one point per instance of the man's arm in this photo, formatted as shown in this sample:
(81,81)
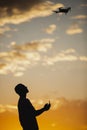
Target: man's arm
(45,108)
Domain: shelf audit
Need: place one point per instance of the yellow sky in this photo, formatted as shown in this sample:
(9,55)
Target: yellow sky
(63,115)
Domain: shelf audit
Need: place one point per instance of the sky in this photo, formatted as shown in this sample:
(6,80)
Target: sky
(48,53)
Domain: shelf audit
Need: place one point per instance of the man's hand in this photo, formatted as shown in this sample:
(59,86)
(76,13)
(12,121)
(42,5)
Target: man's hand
(47,106)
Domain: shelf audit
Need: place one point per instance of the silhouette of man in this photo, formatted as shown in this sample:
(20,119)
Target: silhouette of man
(27,113)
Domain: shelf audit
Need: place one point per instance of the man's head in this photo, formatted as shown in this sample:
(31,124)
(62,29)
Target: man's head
(21,89)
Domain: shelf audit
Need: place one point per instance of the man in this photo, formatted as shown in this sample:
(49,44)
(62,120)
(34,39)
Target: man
(27,113)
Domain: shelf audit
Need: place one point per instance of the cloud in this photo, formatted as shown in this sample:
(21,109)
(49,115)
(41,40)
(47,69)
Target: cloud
(58,58)
(69,51)
(10,108)
(15,12)
(74,29)
(18,74)
(23,56)
(79,17)
(17,62)
(56,104)
(2,109)
(2,65)
(37,45)
(4,29)
(67,55)
(50,29)
(83,58)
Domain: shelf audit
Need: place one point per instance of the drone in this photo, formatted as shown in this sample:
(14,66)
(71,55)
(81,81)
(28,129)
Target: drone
(62,10)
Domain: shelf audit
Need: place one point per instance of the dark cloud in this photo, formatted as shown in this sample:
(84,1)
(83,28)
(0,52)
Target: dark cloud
(9,8)
(18,4)
(18,11)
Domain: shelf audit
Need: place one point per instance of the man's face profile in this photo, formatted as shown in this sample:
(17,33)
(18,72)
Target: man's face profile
(21,89)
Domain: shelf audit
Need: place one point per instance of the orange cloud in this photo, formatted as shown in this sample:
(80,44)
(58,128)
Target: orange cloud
(74,29)
(80,17)
(69,51)
(23,56)
(10,108)
(83,58)
(50,29)
(16,62)
(67,55)
(37,45)
(16,12)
